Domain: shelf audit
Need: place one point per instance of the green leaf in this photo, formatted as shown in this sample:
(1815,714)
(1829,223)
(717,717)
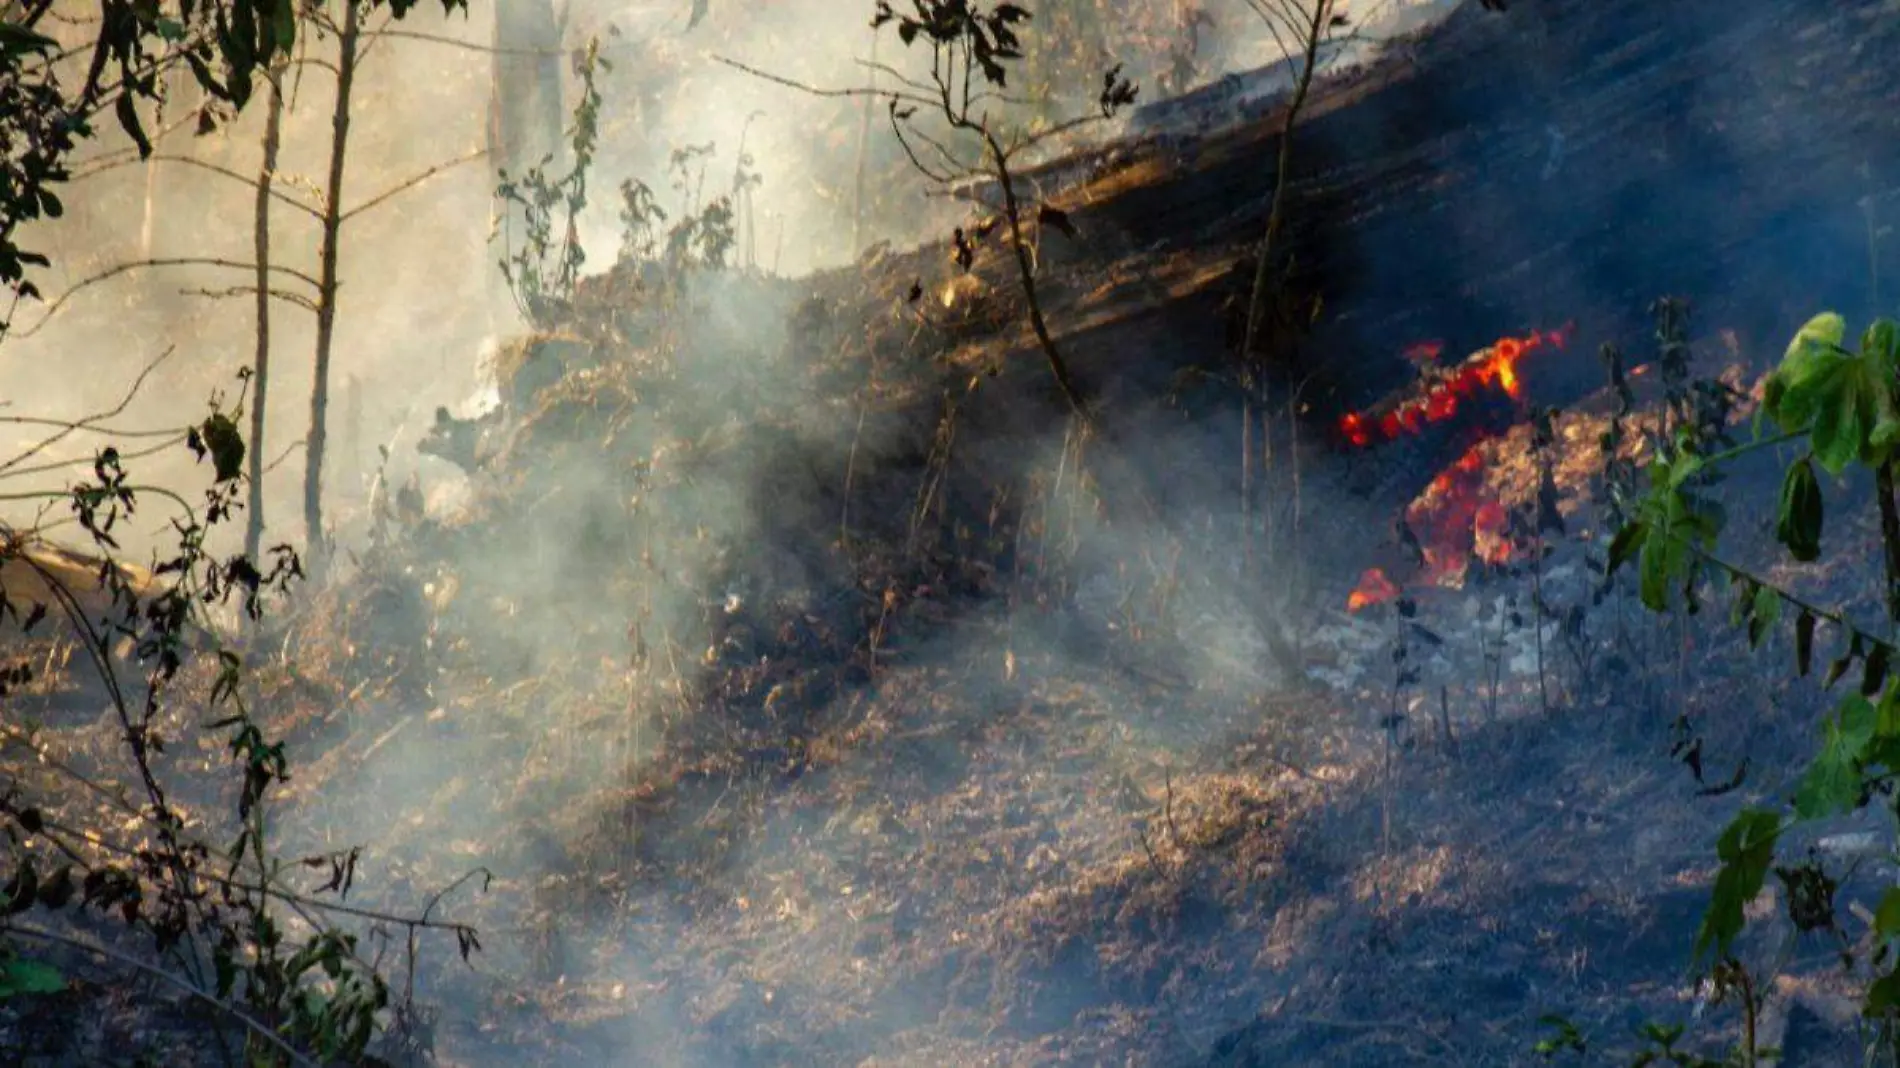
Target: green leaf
(128,115)
(1832,784)
(1764,613)
(1880,342)
(1626,544)
(1844,422)
(284,22)
(1887,714)
(1840,664)
(1746,849)
(21,976)
(1887,915)
(1798,525)
(1804,641)
(1653,571)
(18,40)
(1790,397)
(1883,996)
(1826,330)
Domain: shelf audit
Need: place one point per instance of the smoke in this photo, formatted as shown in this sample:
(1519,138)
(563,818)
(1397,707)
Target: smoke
(593,663)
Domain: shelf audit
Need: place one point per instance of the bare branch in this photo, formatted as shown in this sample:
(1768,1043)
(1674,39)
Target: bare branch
(81,168)
(467,46)
(228,292)
(411,182)
(64,465)
(124,268)
(963,169)
(103,431)
(925,87)
(814,90)
(285,455)
(90,421)
(251,1023)
(192,161)
(897,127)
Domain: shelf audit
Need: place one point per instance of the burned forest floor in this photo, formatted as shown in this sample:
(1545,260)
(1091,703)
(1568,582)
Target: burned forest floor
(817,691)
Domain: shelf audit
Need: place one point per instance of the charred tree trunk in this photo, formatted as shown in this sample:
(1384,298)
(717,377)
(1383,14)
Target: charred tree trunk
(1503,173)
(327,292)
(260,371)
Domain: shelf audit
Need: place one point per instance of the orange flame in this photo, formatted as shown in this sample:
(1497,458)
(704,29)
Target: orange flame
(1495,369)
(1374,588)
(1456,518)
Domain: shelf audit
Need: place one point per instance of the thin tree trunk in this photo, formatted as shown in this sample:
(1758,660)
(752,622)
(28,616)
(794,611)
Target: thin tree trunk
(260,378)
(327,292)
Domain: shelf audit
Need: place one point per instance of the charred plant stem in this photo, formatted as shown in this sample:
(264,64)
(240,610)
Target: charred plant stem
(1012,210)
(1256,305)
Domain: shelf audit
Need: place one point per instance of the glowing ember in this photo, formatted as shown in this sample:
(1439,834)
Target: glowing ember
(1457,519)
(1374,588)
(1494,369)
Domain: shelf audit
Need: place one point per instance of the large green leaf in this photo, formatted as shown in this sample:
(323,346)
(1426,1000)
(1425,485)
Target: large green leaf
(1809,378)
(1880,343)
(1746,849)
(1844,415)
(1833,781)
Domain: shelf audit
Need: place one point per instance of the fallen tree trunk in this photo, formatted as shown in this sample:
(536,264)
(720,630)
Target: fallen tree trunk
(36,572)
(1567,160)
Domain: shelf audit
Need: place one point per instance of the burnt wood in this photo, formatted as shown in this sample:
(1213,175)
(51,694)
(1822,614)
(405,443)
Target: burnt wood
(1563,160)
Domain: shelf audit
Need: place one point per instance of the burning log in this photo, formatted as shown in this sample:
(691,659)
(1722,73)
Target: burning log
(1566,158)
(1471,389)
